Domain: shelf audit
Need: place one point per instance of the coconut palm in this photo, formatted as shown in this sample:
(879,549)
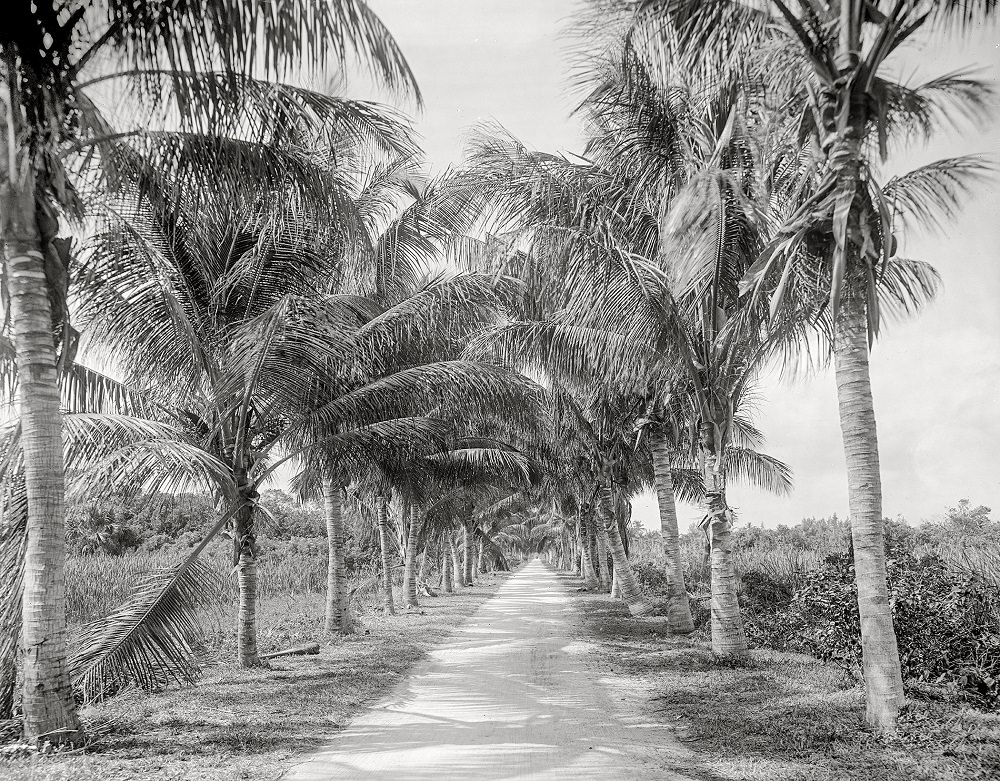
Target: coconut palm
(415,319)
(46,50)
(834,63)
(224,318)
(655,305)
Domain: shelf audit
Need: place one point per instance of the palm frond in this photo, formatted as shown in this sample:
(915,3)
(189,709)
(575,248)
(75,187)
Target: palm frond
(240,36)
(758,470)
(689,486)
(906,286)
(13,542)
(933,194)
(945,101)
(269,112)
(151,641)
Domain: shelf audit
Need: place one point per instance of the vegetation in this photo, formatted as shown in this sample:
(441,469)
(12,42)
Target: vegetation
(217,276)
(782,715)
(798,590)
(239,723)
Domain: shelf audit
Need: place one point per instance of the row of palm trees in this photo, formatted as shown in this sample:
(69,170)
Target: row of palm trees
(258,284)
(726,213)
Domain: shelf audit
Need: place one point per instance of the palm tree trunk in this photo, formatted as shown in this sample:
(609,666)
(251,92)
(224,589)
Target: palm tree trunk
(245,555)
(587,554)
(565,551)
(12,543)
(47,698)
(880,654)
(484,558)
(422,568)
(578,557)
(592,551)
(469,546)
(679,619)
(456,562)
(632,594)
(447,572)
(410,565)
(383,541)
(337,613)
(728,636)
(602,558)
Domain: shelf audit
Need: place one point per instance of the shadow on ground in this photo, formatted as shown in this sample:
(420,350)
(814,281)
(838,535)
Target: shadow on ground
(779,716)
(511,695)
(239,724)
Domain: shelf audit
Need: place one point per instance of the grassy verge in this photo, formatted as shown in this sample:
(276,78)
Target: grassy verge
(238,724)
(782,717)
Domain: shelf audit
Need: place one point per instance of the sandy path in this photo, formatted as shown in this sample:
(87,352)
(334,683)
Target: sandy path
(510,696)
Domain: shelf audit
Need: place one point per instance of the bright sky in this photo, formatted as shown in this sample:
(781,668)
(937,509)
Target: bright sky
(936,379)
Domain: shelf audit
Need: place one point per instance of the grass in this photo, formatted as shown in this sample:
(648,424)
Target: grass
(782,717)
(239,724)
(96,584)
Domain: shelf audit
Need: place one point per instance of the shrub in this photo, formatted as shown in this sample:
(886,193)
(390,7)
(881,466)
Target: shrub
(947,622)
(652,576)
(763,590)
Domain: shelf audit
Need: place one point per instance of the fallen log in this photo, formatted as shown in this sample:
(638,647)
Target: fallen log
(302,650)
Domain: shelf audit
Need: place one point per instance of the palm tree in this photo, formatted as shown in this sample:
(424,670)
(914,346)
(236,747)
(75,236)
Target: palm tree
(413,319)
(45,48)
(224,325)
(655,305)
(833,60)
(679,617)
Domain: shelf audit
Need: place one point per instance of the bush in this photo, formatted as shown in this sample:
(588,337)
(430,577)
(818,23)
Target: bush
(947,623)
(762,590)
(798,592)
(652,577)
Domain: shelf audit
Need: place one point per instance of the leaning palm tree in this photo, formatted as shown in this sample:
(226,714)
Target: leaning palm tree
(832,62)
(46,49)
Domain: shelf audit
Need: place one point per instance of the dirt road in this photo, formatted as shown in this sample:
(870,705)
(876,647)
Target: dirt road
(512,695)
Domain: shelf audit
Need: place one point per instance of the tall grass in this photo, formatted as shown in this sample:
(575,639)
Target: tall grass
(96,584)
(791,565)
(788,564)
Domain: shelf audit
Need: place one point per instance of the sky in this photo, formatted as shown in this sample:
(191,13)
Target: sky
(935,379)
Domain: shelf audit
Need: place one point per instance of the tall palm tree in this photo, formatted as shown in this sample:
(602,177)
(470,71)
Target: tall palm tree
(224,326)
(415,318)
(833,61)
(655,305)
(46,48)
